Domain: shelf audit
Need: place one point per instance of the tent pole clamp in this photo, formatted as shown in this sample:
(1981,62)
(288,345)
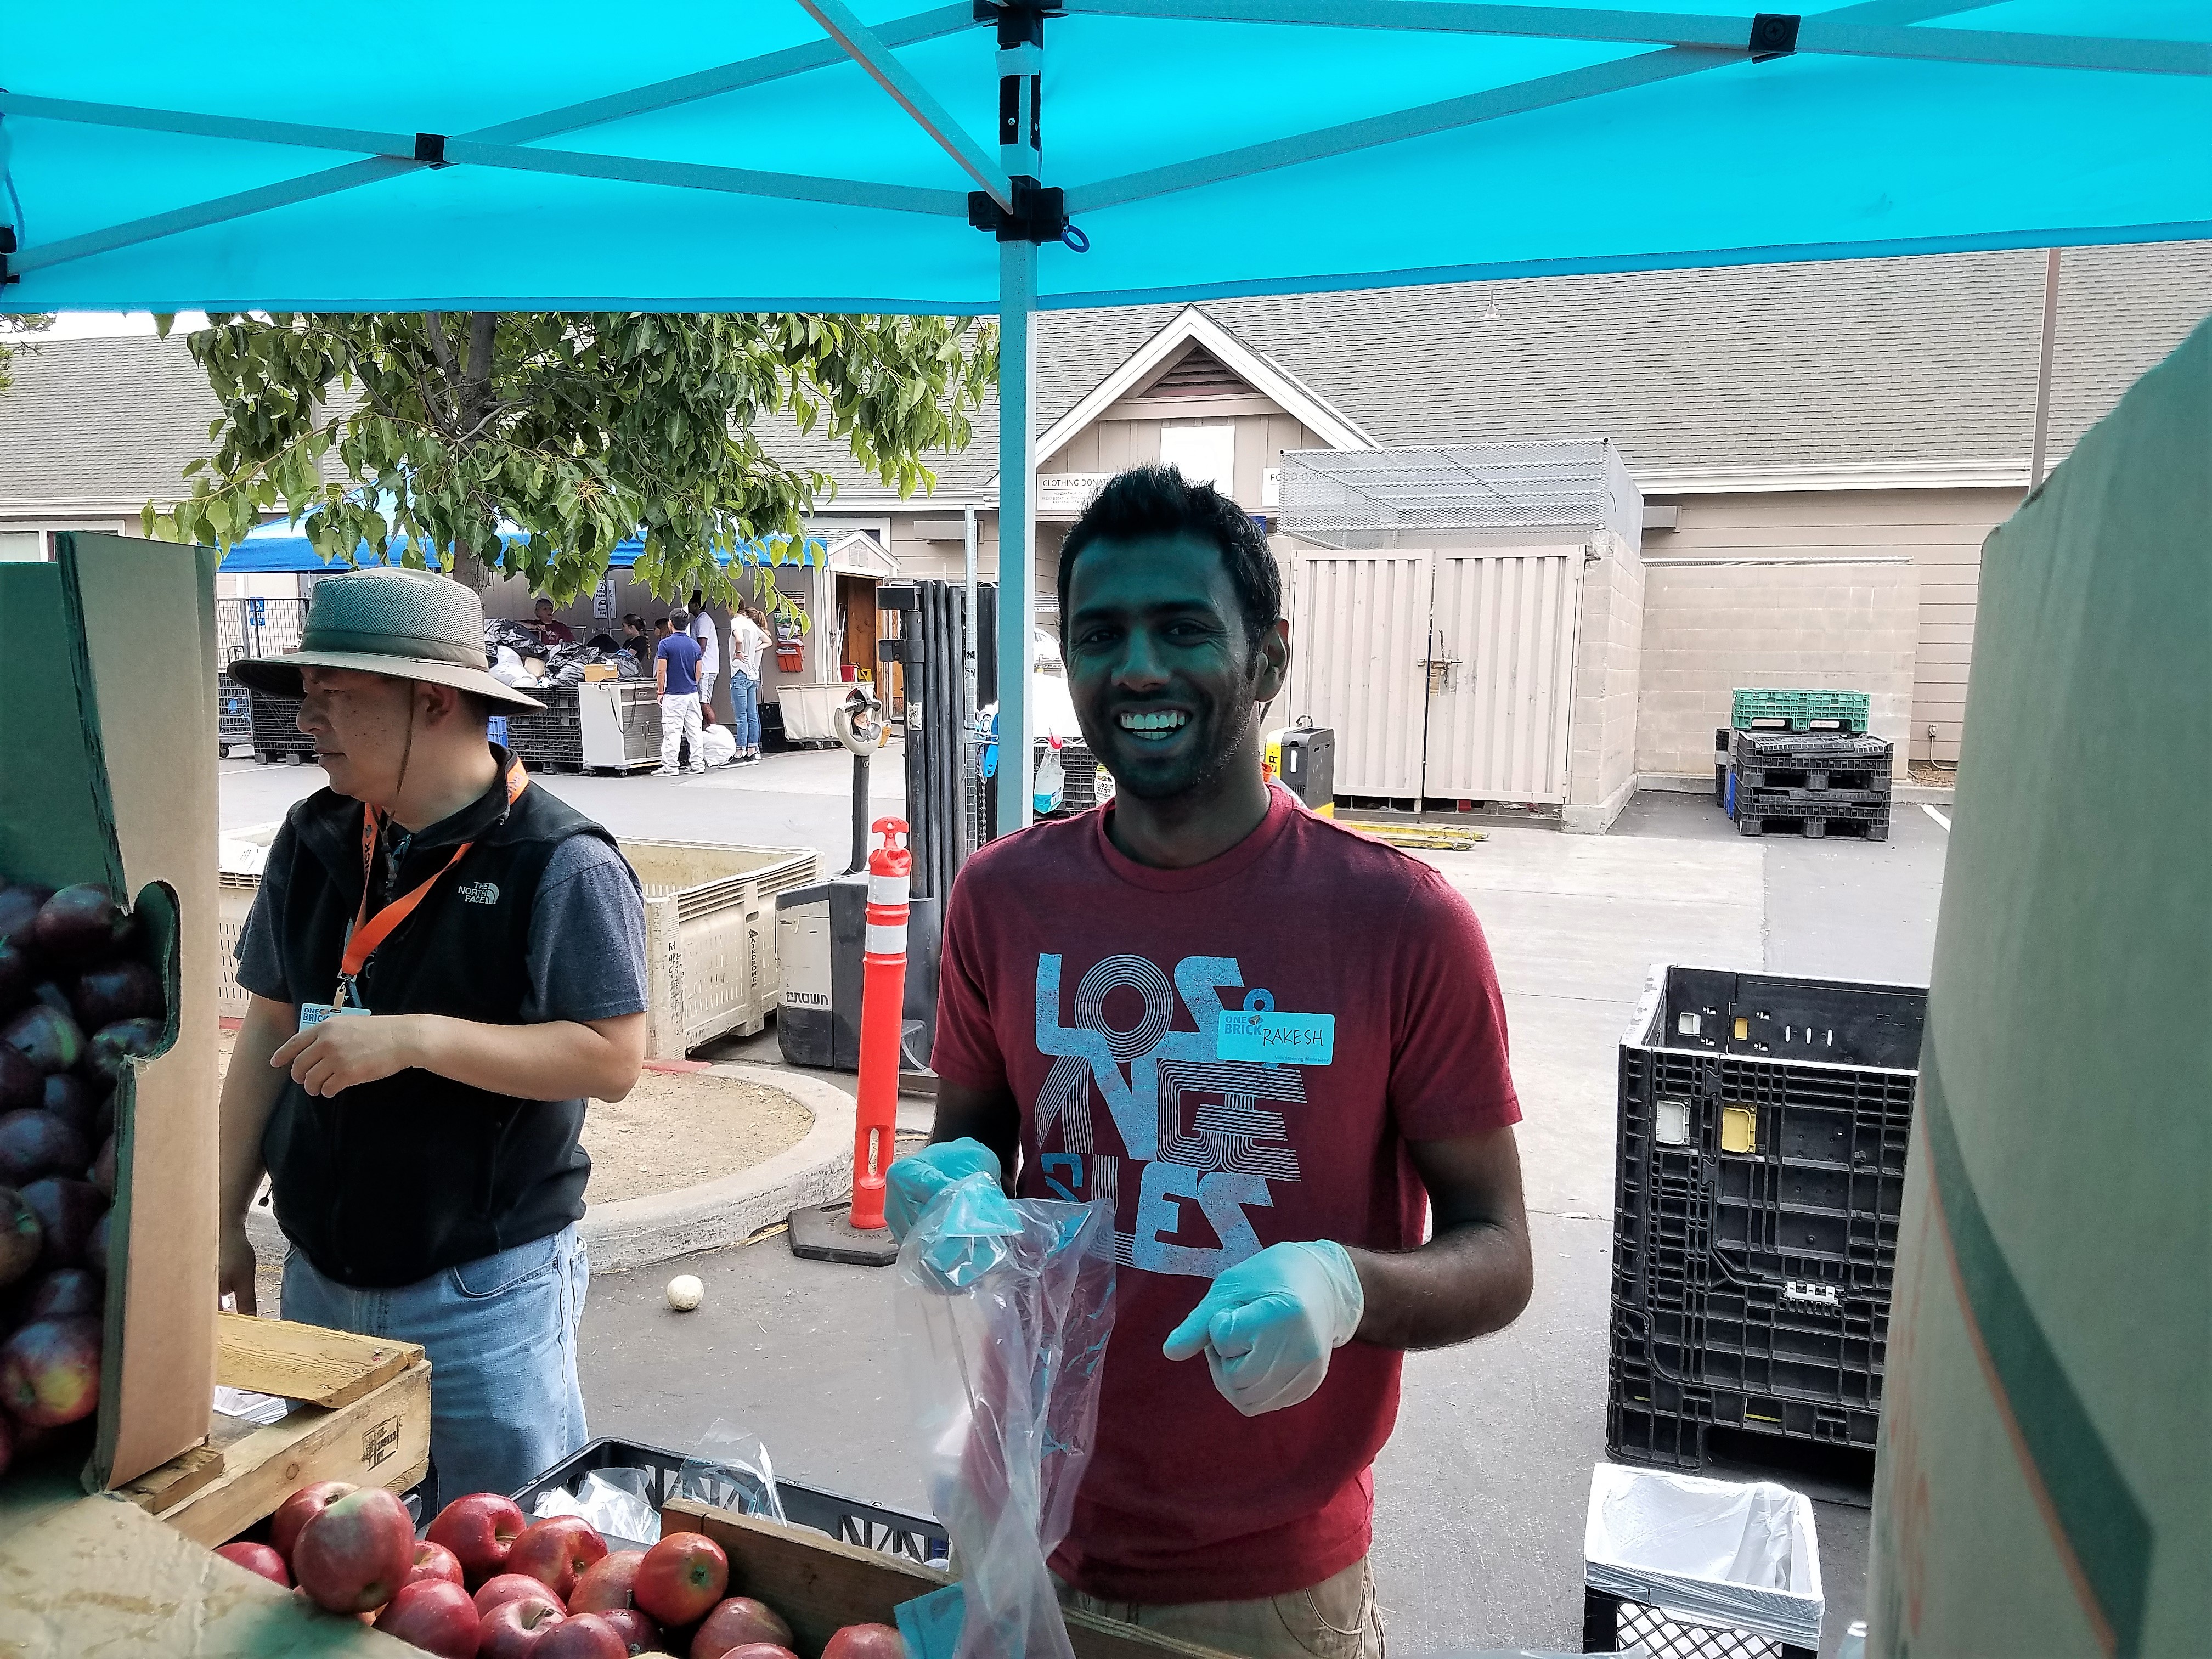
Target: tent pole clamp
(6,248)
(1773,34)
(1020,22)
(1040,213)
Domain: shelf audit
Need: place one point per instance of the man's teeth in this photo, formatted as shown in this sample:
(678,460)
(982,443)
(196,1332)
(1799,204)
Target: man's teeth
(1154,727)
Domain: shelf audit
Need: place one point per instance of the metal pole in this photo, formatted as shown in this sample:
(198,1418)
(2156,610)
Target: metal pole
(2043,372)
(860,816)
(1021,66)
(970,834)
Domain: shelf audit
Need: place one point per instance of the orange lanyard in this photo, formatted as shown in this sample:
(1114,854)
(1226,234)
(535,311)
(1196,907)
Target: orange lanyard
(368,933)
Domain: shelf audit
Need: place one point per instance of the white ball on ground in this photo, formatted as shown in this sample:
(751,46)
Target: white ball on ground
(685,1292)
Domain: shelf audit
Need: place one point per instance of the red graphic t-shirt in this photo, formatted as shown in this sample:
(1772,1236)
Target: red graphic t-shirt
(1133,1012)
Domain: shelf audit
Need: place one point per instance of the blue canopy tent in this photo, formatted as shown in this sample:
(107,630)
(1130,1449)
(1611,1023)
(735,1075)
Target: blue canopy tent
(1198,148)
(279,549)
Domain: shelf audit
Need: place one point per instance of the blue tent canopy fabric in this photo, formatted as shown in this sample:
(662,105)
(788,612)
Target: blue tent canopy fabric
(1008,156)
(280,549)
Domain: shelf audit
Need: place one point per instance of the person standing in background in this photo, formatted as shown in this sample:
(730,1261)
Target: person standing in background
(710,651)
(748,643)
(675,674)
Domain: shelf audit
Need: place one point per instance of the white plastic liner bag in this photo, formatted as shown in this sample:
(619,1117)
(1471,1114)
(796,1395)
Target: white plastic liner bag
(1706,1552)
(1004,1308)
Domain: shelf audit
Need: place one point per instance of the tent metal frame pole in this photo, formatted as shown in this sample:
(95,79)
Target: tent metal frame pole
(1017,265)
(969,625)
(2043,369)
(1815,34)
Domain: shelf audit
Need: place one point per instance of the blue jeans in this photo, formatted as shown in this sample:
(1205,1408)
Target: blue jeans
(505,1403)
(745,709)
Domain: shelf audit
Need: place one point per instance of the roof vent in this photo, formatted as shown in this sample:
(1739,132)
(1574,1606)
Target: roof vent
(1200,374)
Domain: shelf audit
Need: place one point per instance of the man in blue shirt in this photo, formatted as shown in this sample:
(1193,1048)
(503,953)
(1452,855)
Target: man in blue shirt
(676,673)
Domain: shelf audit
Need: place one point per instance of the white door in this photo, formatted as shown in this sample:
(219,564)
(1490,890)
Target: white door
(1356,624)
(1444,675)
(1503,625)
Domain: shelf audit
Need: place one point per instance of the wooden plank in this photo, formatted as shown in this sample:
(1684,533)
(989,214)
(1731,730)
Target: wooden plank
(305,1363)
(172,1483)
(382,1439)
(819,1584)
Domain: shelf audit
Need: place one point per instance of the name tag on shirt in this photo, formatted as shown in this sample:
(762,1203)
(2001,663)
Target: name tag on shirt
(314,1014)
(1277,1039)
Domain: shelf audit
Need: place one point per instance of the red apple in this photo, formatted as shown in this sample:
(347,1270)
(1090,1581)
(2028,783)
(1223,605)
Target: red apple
(606,1585)
(682,1578)
(479,1529)
(737,1623)
(750,1650)
(258,1557)
(554,1550)
(436,1615)
(22,1238)
(354,1556)
(581,1636)
(639,1633)
(865,1642)
(433,1561)
(510,1587)
(513,1629)
(301,1507)
(50,1371)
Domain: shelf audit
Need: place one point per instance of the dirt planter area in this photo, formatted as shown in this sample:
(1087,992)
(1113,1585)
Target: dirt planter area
(678,1130)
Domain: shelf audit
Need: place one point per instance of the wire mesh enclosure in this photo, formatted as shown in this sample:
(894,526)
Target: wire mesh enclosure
(1454,494)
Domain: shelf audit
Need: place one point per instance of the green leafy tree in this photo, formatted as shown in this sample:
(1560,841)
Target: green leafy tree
(578,429)
(13,326)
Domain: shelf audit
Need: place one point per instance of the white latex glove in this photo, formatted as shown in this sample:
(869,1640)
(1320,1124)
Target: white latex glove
(1268,1325)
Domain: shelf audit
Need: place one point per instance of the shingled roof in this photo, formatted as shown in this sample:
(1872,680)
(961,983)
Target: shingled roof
(1761,374)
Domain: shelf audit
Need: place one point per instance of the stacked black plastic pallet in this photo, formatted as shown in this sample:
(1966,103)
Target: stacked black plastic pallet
(552,738)
(276,733)
(1807,783)
(1761,1173)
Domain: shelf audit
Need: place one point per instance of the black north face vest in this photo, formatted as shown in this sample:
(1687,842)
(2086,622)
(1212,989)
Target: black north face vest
(388,1182)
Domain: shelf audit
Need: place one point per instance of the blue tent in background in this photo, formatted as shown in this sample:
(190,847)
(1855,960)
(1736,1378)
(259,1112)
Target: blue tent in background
(854,156)
(278,549)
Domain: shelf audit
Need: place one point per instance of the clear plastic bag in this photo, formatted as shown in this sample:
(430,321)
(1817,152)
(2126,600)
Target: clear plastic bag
(1004,1308)
(730,1469)
(613,1501)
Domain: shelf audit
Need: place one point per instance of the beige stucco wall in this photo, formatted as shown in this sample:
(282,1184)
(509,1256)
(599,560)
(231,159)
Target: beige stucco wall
(1711,626)
(1940,530)
(1601,762)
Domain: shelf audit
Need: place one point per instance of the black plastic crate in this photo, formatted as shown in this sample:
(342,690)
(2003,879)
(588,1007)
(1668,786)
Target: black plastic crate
(1760,1177)
(1810,761)
(1613,1624)
(893,1532)
(277,726)
(1815,820)
(551,738)
(1794,799)
(1078,766)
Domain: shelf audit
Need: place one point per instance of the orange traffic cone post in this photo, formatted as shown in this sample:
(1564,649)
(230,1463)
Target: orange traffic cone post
(882,1008)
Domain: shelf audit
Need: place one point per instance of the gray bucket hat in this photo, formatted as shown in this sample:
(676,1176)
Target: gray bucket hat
(410,624)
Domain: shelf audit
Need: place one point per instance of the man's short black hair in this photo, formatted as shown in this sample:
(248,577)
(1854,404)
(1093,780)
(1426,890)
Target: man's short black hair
(1158,500)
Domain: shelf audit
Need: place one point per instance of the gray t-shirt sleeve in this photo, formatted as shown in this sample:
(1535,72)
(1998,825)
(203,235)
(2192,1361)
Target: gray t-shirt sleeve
(260,967)
(586,936)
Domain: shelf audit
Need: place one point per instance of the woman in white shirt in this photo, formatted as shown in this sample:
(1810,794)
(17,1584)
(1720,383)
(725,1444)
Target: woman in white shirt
(748,643)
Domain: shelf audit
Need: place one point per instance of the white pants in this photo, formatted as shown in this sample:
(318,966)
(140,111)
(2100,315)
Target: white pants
(680,719)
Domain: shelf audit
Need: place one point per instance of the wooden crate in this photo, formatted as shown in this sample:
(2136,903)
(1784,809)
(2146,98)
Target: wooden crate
(363,1415)
(819,1585)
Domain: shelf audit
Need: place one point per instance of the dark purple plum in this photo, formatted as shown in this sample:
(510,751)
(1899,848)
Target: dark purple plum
(67,1211)
(65,1095)
(19,972)
(96,1247)
(80,925)
(102,1172)
(126,1039)
(46,1038)
(35,1142)
(103,1111)
(118,990)
(21,1238)
(21,1085)
(64,1293)
(54,997)
(19,910)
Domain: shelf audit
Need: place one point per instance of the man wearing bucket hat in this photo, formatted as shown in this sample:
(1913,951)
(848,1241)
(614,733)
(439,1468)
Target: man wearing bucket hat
(445,961)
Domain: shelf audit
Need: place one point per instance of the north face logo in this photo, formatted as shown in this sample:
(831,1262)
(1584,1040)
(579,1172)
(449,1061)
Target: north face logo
(480,892)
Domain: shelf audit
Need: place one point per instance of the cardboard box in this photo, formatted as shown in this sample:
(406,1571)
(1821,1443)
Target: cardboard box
(107,745)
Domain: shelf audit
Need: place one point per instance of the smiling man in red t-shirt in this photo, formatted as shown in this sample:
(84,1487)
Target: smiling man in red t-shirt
(1272,1046)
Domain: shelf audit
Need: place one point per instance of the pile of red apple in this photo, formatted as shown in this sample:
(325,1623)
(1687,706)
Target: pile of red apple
(486,1580)
(70,963)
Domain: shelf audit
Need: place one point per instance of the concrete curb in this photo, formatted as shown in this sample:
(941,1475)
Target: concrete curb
(636,1232)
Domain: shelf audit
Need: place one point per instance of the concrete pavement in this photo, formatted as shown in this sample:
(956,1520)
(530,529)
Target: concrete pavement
(1479,1494)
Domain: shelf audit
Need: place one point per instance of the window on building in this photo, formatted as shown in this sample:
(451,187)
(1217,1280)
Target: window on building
(22,546)
(1203,453)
